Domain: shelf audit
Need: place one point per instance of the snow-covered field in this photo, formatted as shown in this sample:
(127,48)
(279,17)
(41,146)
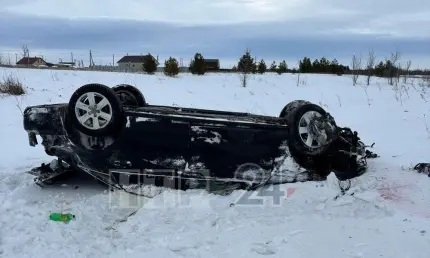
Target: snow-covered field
(385,214)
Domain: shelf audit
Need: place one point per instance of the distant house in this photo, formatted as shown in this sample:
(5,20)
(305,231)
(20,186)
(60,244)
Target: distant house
(132,63)
(31,61)
(212,64)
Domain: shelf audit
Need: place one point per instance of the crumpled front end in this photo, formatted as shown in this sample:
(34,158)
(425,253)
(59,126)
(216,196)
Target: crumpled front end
(349,155)
(50,123)
(44,120)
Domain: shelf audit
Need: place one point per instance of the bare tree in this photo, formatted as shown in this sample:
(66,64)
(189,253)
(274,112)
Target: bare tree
(356,67)
(25,51)
(407,68)
(8,60)
(424,83)
(395,57)
(5,60)
(398,73)
(244,76)
(370,64)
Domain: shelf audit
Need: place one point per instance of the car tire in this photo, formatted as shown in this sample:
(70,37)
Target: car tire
(292,106)
(130,95)
(302,118)
(106,120)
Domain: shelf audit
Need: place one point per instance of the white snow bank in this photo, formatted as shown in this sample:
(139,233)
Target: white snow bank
(386,213)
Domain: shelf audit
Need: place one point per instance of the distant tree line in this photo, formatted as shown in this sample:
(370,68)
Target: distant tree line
(322,66)
(249,65)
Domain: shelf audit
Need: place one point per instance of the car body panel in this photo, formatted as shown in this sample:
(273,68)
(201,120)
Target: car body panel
(160,137)
(187,142)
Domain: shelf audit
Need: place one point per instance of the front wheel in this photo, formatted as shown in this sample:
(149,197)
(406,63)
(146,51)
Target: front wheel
(311,132)
(95,110)
(312,129)
(292,106)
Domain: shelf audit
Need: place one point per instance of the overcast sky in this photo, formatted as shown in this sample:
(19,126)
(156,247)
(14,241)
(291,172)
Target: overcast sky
(272,29)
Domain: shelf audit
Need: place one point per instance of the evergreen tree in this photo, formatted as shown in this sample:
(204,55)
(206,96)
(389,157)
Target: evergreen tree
(379,69)
(334,67)
(324,65)
(273,67)
(171,67)
(149,64)
(246,63)
(305,65)
(316,67)
(262,67)
(197,65)
(282,68)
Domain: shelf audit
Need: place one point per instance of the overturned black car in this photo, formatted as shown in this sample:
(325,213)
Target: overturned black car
(112,133)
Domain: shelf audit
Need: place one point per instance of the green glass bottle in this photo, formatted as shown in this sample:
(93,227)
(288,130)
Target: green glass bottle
(66,218)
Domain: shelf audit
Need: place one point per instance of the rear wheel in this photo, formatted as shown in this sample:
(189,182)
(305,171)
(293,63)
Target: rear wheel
(95,110)
(129,95)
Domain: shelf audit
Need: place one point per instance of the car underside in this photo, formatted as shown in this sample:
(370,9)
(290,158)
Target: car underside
(118,138)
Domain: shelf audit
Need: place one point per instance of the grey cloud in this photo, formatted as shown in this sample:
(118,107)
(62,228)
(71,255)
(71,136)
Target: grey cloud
(284,39)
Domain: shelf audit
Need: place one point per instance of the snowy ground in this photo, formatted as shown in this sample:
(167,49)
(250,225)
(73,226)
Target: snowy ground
(387,216)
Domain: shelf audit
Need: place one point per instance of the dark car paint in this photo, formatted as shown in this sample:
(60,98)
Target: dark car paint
(158,137)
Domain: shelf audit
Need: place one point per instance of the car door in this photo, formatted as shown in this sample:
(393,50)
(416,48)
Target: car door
(223,147)
(153,143)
